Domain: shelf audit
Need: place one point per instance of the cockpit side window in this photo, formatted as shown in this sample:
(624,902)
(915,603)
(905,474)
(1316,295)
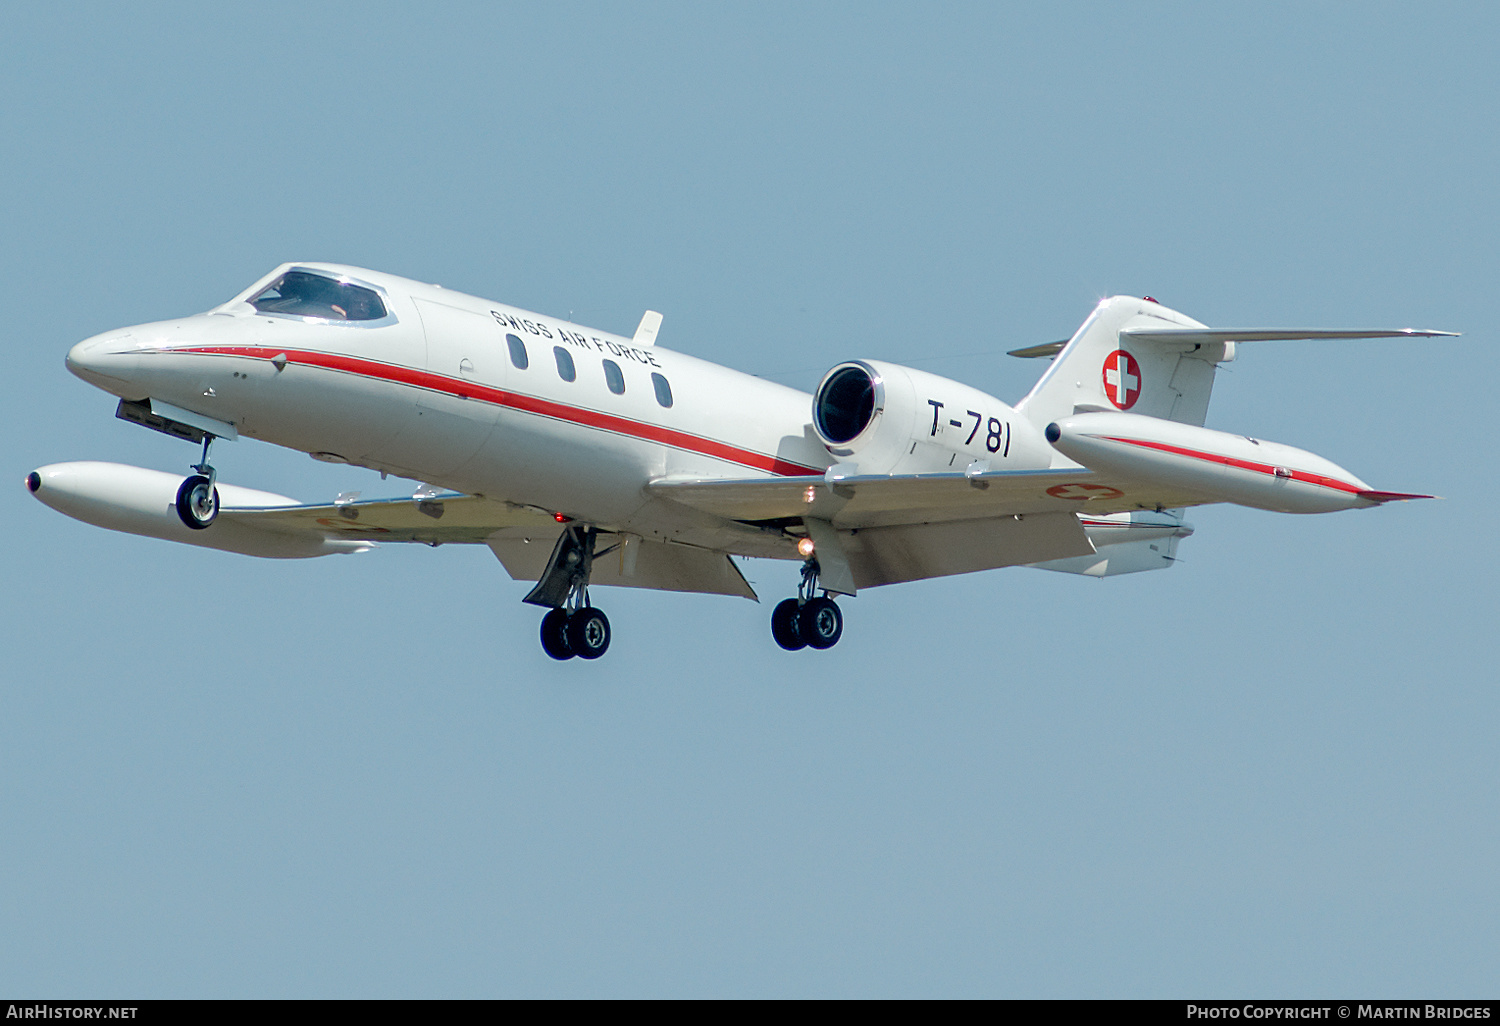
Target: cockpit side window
(303,294)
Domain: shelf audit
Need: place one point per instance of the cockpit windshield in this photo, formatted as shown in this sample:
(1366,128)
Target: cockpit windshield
(303,294)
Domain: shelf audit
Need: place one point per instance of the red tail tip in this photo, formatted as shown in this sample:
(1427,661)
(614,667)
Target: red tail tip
(1374,496)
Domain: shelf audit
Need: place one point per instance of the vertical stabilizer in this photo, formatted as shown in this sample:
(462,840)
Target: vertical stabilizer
(1102,369)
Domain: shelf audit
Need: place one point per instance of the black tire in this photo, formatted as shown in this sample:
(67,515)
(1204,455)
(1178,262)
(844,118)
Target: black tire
(555,635)
(197,502)
(588,633)
(820,622)
(785,627)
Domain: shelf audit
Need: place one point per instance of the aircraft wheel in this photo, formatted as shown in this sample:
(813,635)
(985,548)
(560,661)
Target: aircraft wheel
(555,635)
(784,626)
(588,633)
(197,502)
(820,622)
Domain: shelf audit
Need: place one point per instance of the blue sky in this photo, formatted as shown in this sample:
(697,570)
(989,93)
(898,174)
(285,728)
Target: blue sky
(1268,771)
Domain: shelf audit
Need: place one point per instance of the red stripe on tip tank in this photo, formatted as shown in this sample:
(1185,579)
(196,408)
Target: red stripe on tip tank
(1230,461)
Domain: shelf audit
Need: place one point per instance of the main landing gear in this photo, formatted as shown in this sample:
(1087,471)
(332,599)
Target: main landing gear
(809,620)
(583,632)
(197,498)
(572,627)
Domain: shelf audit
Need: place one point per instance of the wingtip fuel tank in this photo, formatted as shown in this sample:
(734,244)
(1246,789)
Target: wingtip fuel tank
(1212,466)
(136,500)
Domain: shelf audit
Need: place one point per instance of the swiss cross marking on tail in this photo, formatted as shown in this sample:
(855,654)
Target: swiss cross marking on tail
(1122,379)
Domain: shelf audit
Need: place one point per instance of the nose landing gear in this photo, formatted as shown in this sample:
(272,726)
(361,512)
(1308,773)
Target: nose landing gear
(809,620)
(197,498)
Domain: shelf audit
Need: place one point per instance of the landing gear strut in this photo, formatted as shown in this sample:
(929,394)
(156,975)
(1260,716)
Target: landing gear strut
(809,620)
(197,498)
(572,627)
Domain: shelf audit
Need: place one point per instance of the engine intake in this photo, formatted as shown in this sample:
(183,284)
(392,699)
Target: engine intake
(848,401)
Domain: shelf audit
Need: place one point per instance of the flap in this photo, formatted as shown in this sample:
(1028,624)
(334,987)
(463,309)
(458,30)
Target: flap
(436,519)
(890,555)
(625,561)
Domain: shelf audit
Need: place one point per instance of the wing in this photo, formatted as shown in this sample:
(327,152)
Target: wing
(520,537)
(905,528)
(892,528)
(868,501)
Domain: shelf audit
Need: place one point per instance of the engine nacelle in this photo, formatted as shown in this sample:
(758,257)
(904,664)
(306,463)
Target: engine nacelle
(890,419)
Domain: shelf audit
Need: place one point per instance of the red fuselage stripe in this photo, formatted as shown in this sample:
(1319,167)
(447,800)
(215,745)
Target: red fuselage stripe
(516,401)
(1230,461)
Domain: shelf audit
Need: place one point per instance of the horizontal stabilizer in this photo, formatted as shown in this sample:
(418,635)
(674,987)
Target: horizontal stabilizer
(1206,336)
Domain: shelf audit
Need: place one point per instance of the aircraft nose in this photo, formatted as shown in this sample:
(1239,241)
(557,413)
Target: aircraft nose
(100,361)
(78,358)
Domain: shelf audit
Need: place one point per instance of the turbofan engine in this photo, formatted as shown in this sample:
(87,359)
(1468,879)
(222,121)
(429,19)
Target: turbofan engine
(890,419)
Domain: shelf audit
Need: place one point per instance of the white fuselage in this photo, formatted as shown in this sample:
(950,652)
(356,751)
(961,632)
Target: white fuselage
(886,474)
(436,391)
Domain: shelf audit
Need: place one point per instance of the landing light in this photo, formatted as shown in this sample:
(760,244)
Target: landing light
(805,548)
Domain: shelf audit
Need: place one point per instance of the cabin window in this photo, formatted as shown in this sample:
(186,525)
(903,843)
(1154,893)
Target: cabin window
(614,377)
(303,294)
(517,352)
(663,390)
(565,368)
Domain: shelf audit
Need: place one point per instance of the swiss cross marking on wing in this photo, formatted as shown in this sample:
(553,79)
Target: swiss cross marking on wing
(1083,492)
(1122,379)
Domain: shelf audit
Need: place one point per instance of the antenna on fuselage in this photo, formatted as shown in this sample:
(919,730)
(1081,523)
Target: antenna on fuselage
(645,334)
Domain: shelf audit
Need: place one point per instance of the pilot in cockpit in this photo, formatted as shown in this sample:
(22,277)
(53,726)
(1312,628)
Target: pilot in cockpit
(302,294)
